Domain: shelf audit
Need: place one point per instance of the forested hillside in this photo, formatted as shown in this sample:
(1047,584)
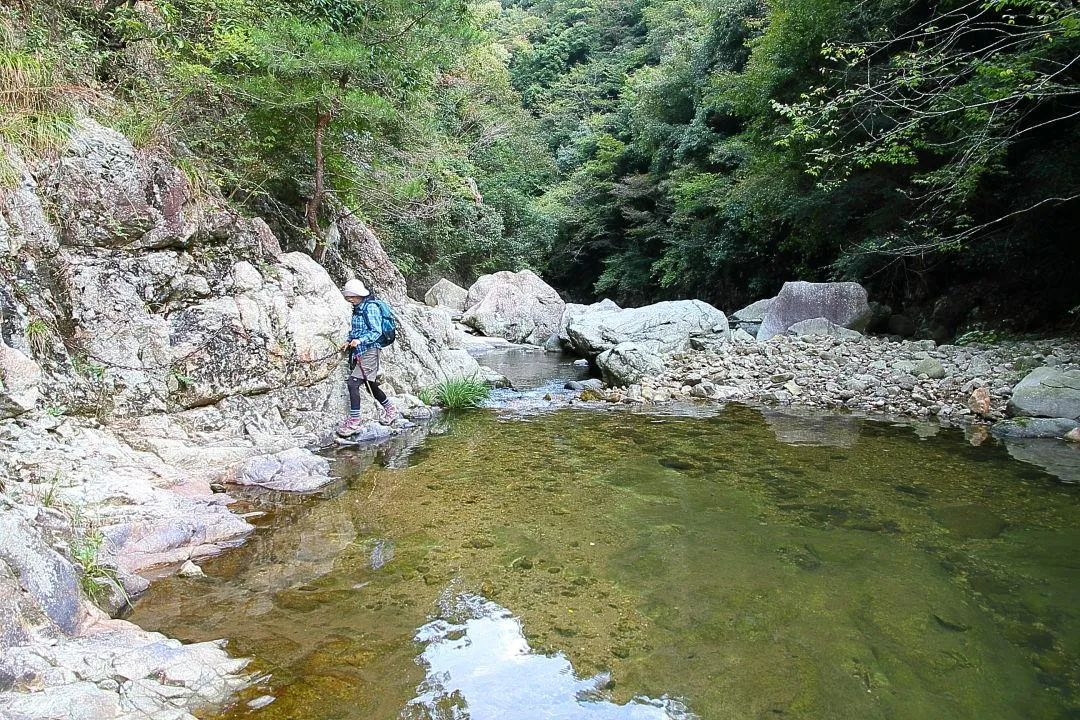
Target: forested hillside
(716,148)
(637,149)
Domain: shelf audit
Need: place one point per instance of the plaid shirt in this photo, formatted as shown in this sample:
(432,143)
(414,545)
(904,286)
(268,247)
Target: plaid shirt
(366,326)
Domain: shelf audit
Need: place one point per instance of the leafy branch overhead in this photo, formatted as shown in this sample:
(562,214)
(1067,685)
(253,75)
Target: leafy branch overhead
(949,97)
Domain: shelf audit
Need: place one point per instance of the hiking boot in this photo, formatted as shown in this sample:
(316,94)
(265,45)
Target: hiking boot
(349,427)
(388,414)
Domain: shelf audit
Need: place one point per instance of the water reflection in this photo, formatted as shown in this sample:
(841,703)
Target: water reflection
(480,666)
(796,426)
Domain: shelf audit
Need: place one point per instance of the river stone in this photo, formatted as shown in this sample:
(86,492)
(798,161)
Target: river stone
(970,521)
(519,307)
(579,385)
(665,327)
(1027,427)
(821,326)
(843,304)
(930,367)
(628,363)
(1047,392)
(980,402)
(1073,435)
(446,294)
(739,335)
(294,470)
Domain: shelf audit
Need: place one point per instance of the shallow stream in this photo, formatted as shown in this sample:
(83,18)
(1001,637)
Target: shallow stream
(687,563)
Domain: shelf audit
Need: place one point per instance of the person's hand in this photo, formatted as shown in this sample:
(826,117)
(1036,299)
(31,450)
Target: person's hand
(353,343)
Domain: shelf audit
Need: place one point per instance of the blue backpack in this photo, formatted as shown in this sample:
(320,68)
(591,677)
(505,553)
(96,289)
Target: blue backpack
(389,325)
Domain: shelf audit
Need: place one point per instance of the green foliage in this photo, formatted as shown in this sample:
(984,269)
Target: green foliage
(94,576)
(458,394)
(37,336)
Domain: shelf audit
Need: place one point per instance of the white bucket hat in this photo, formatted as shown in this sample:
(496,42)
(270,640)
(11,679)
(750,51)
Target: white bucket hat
(355,288)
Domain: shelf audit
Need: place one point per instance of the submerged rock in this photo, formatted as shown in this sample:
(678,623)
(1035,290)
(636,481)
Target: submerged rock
(971,521)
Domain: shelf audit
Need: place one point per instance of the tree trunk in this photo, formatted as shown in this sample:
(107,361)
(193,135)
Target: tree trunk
(322,122)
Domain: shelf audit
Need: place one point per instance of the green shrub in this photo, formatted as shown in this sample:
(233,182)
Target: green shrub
(458,394)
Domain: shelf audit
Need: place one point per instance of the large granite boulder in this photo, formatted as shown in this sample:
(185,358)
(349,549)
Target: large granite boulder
(446,294)
(628,363)
(663,327)
(842,304)
(1047,392)
(575,310)
(517,306)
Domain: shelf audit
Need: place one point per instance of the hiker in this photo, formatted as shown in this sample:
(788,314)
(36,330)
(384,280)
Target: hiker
(364,345)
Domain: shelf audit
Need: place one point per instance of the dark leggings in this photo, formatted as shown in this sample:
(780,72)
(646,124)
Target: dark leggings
(354,384)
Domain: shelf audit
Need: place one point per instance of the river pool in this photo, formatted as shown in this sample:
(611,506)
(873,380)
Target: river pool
(687,562)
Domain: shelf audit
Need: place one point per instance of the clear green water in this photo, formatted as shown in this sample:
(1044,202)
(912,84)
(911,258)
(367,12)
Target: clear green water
(698,561)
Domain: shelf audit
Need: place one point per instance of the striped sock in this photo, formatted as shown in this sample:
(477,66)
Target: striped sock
(354,414)
(387,404)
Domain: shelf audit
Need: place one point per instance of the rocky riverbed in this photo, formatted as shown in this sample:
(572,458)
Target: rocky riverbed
(878,375)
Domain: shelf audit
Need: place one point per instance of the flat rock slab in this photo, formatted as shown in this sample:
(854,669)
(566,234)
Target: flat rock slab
(295,470)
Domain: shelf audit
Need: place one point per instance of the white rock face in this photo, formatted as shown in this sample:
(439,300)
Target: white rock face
(664,327)
(20,378)
(628,363)
(575,310)
(169,340)
(446,294)
(842,304)
(519,307)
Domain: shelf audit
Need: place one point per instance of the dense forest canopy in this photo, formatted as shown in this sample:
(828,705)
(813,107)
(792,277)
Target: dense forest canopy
(637,149)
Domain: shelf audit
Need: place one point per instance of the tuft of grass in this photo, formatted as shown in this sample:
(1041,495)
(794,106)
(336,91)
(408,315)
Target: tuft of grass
(95,578)
(37,336)
(459,394)
(39,109)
